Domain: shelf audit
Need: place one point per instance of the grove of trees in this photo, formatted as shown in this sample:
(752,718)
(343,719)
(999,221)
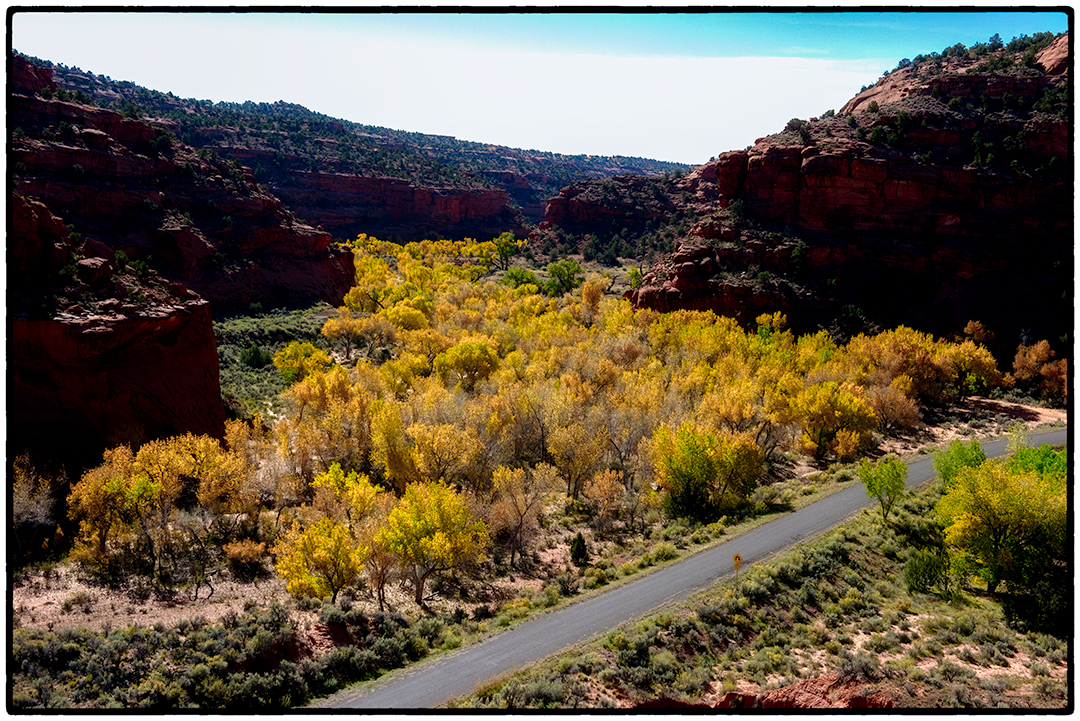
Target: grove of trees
(455,410)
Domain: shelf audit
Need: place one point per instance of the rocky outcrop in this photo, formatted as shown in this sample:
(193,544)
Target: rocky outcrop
(1055,58)
(347,205)
(945,202)
(690,279)
(98,357)
(117,375)
(189,215)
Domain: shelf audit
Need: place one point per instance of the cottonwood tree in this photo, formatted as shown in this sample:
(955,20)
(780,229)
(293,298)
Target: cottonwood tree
(319,560)
(834,419)
(520,494)
(506,247)
(605,492)
(31,504)
(949,461)
(466,363)
(444,451)
(300,358)
(577,451)
(431,530)
(1013,522)
(344,328)
(704,473)
(1032,365)
(884,480)
(99,501)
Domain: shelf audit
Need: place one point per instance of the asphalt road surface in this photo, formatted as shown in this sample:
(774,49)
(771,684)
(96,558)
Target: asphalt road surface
(429,684)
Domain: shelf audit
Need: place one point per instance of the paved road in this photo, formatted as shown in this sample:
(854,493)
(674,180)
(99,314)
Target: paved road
(429,684)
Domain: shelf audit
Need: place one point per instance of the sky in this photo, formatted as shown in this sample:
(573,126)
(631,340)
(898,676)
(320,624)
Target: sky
(676,86)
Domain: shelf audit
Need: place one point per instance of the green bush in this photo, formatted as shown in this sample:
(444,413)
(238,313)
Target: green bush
(579,553)
(664,552)
(925,570)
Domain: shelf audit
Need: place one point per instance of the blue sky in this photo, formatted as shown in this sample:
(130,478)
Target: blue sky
(671,86)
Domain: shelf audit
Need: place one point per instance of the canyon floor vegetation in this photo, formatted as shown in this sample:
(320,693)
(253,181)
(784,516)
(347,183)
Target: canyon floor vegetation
(460,446)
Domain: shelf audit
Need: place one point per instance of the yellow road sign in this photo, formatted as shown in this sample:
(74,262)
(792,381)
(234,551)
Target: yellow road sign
(738,561)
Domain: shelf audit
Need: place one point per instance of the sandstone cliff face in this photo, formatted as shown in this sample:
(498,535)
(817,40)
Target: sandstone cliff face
(347,205)
(123,376)
(946,203)
(189,215)
(98,357)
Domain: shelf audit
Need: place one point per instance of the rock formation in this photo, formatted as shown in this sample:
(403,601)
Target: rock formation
(190,215)
(99,357)
(347,205)
(935,197)
(121,240)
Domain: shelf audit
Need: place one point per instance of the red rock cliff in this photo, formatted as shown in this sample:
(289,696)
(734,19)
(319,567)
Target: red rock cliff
(190,215)
(947,200)
(119,377)
(88,369)
(347,205)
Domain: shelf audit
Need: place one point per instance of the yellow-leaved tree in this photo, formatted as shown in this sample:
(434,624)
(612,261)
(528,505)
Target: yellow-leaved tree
(834,419)
(432,530)
(298,359)
(319,560)
(705,474)
(1011,517)
(100,503)
(519,496)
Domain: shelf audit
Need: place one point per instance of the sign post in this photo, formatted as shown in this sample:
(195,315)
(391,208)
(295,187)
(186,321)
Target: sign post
(738,562)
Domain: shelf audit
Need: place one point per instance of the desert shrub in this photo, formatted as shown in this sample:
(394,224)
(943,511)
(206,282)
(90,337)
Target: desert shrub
(952,672)
(666,667)
(430,629)
(568,583)
(852,601)
(549,597)
(882,642)
(595,577)
(925,570)
(1046,688)
(245,559)
(692,681)
(664,552)
(390,651)
(860,667)
(80,599)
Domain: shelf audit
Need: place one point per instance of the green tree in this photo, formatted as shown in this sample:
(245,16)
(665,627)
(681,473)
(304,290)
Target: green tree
(565,275)
(432,530)
(1012,522)
(506,247)
(579,552)
(704,473)
(319,560)
(884,480)
(949,461)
